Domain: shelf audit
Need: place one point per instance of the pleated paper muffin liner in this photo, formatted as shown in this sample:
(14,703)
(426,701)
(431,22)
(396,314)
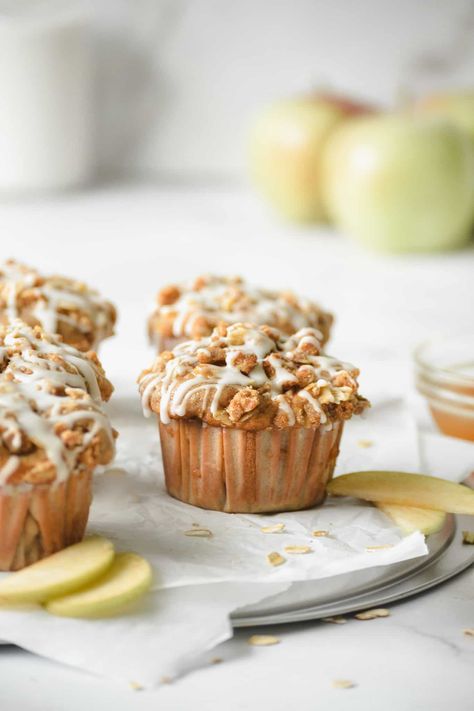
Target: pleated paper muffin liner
(238,471)
(36,522)
(167,343)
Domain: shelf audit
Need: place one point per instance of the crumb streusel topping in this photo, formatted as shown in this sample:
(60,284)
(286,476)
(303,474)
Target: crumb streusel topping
(193,310)
(252,377)
(51,420)
(57,304)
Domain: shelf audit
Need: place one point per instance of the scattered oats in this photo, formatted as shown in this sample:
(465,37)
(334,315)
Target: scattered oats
(336,620)
(275,528)
(383,547)
(298,549)
(135,686)
(115,471)
(469,632)
(372,614)
(263,640)
(468,537)
(199,533)
(320,534)
(196,525)
(216,660)
(365,443)
(275,558)
(343,684)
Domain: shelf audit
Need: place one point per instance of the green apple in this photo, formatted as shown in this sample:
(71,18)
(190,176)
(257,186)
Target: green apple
(60,573)
(456,107)
(401,183)
(286,142)
(127,579)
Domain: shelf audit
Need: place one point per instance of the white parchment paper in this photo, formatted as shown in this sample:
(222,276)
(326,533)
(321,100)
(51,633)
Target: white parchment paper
(200,581)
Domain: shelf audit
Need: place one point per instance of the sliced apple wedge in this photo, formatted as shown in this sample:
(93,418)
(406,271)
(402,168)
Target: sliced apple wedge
(411,518)
(425,492)
(129,577)
(59,574)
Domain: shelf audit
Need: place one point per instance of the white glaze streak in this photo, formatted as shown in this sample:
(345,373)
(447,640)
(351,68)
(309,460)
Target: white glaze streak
(215,300)
(54,294)
(243,341)
(28,404)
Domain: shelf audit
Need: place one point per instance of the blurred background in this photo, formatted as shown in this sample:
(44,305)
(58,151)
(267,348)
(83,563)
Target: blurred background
(179,81)
(145,141)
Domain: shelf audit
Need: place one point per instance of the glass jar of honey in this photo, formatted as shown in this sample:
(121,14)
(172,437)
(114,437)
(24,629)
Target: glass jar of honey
(445,377)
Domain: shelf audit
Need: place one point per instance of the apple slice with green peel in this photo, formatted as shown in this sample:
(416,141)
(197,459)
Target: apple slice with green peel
(60,573)
(425,492)
(127,579)
(411,518)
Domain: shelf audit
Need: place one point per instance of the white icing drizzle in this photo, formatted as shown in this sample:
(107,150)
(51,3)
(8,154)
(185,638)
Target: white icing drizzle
(275,366)
(53,294)
(30,405)
(26,364)
(226,299)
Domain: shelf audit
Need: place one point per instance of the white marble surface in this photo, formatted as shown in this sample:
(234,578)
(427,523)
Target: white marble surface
(129,240)
(417,659)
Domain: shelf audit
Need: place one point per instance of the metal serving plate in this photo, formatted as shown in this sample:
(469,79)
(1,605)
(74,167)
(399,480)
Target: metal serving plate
(341,594)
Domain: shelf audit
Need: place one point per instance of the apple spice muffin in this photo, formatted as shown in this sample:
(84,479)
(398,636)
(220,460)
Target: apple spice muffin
(250,419)
(193,310)
(57,304)
(53,434)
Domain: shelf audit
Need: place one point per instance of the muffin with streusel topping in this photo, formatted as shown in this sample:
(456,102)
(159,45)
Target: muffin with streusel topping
(250,419)
(53,434)
(58,304)
(192,310)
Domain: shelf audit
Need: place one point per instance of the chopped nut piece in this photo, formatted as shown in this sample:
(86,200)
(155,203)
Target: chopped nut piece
(244,401)
(274,528)
(275,558)
(237,336)
(336,620)
(343,684)
(211,355)
(365,443)
(216,660)
(372,614)
(166,680)
(168,295)
(382,547)
(468,537)
(263,640)
(320,534)
(135,686)
(469,631)
(298,549)
(245,362)
(198,533)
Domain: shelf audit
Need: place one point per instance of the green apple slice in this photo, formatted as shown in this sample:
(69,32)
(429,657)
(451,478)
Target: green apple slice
(60,573)
(425,492)
(411,518)
(128,578)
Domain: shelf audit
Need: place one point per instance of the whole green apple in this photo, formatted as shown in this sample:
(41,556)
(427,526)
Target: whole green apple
(456,107)
(401,183)
(286,142)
